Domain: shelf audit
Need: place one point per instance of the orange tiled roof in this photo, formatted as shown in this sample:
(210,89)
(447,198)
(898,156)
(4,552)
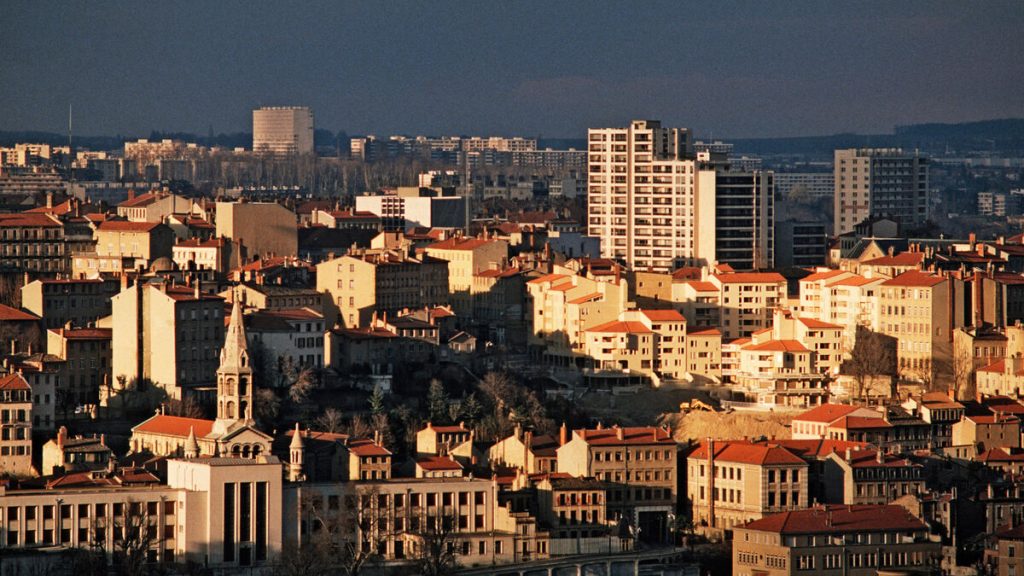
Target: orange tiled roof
(638,435)
(620,326)
(837,519)
(14,315)
(778,346)
(823,275)
(746,452)
(915,278)
(547,278)
(13,381)
(24,219)
(751,278)
(901,259)
(587,298)
(175,426)
(663,315)
(815,323)
(438,463)
(827,413)
(124,226)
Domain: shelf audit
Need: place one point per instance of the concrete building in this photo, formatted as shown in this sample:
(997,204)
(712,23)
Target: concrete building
(87,362)
(134,244)
(730,483)
(800,244)
(167,334)
(66,455)
(642,193)
(851,540)
(870,477)
(915,309)
(466,257)
(734,220)
(364,283)
(152,206)
(651,343)
(807,184)
(297,334)
(264,228)
(57,302)
(32,243)
(747,301)
(412,207)
(885,182)
(15,425)
(282,130)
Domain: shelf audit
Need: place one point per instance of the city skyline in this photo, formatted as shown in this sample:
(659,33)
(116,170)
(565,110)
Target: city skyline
(522,68)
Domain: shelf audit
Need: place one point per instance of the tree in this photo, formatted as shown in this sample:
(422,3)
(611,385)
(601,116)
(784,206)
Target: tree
(186,408)
(437,402)
(873,356)
(382,424)
(437,554)
(377,401)
(330,421)
(267,409)
(134,536)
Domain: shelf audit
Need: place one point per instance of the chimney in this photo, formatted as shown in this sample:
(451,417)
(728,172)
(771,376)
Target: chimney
(879,456)
(849,454)
(972,238)
(131,194)
(563,435)
(619,433)
(49,199)
(62,436)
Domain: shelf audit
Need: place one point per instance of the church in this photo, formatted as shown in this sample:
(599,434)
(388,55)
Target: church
(233,433)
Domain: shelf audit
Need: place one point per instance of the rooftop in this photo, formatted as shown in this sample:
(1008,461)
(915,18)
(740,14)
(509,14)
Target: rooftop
(839,519)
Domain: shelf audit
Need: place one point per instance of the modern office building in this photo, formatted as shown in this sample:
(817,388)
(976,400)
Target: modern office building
(282,130)
(734,220)
(880,182)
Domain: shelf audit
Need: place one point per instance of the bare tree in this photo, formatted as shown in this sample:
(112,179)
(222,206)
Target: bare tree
(135,534)
(873,356)
(268,407)
(186,408)
(330,421)
(438,550)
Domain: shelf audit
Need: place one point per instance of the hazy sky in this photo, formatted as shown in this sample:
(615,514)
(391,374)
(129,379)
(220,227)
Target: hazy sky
(530,68)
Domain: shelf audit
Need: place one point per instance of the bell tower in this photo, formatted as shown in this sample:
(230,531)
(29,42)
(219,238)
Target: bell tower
(234,376)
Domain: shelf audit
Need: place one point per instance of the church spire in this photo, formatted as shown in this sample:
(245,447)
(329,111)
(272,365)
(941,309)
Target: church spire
(234,377)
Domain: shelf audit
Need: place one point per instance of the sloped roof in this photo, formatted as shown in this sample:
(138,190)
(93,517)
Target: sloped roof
(777,346)
(636,435)
(14,381)
(438,463)
(915,278)
(835,519)
(124,226)
(745,452)
(751,278)
(620,326)
(815,323)
(827,413)
(663,315)
(175,426)
(8,314)
(901,259)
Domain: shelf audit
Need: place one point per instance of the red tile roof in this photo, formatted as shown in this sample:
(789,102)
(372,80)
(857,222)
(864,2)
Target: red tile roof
(826,413)
(24,219)
(855,281)
(751,278)
(703,332)
(639,435)
(438,463)
(814,323)
(819,448)
(564,287)
(494,273)
(175,426)
(140,200)
(859,423)
(367,447)
(123,226)
(587,298)
(746,452)
(869,459)
(458,243)
(547,278)
(915,278)
(663,315)
(901,259)
(823,275)
(838,519)
(84,333)
(13,381)
(8,314)
(1001,455)
(619,326)
(447,429)
(701,286)
(777,346)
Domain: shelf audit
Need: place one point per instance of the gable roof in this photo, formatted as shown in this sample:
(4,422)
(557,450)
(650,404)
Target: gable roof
(636,435)
(777,346)
(839,519)
(751,278)
(167,425)
(915,278)
(8,314)
(620,326)
(663,315)
(827,413)
(14,381)
(746,452)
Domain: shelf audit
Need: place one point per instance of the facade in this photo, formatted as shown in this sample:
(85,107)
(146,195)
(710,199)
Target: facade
(641,194)
(282,130)
(832,540)
(265,229)
(647,342)
(87,362)
(166,334)
(735,219)
(870,477)
(138,243)
(296,333)
(885,182)
(417,208)
(15,425)
(466,257)
(32,243)
(747,301)
(807,184)
(730,483)
(915,309)
(152,206)
(57,302)
(365,283)
(800,243)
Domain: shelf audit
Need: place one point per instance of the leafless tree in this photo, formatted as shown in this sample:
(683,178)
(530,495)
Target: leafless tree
(186,408)
(873,356)
(330,421)
(438,550)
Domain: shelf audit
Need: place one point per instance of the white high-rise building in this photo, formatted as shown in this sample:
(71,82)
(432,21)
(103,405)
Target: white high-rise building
(880,182)
(641,194)
(656,206)
(282,130)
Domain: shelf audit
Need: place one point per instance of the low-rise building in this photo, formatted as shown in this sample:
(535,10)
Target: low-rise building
(59,301)
(87,362)
(870,477)
(15,425)
(835,539)
(66,455)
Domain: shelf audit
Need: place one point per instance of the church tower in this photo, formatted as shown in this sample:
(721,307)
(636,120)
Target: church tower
(234,376)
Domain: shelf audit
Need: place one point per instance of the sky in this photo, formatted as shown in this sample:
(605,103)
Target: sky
(529,68)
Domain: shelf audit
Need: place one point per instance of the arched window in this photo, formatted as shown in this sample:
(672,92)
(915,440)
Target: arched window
(230,411)
(235,450)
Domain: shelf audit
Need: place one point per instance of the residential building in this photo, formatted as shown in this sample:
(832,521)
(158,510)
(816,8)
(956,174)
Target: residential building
(916,310)
(166,334)
(642,193)
(282,130)
(21,326)
(132,244)
(730,483)
(347,219)
(66,455)
(735,219)
(87,362)
(295,334)
(870,477)
(987,431)
(651,343)
(835,539)
(414,207)
(364,283)
(81,302)
(153,206)
(265,229)
(747,301)
(802,244)
(529,453)
(1003,376)
(811,185)
(214,254)
(466,257)
(885,182)
(15,425)
(32,243)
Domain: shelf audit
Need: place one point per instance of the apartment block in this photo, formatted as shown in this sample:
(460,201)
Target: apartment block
(466,257)
(138,243)
(870,477)
(152,206)
(264,228)
(87,362)
(642,196)
(32,243)
(364,283)
(57,302)
(15,425)
(647,342)
(880,182)
(835,539)
(747,301)
(730,483)
(167,334)
(915,309)
(735,219)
